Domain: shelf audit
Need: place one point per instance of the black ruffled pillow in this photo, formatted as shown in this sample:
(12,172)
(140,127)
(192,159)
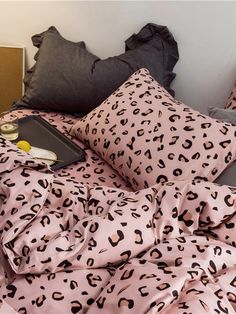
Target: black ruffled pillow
(66,77)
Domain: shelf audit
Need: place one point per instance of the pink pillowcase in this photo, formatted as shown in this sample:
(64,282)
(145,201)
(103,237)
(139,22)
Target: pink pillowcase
(149,137)
(231,102)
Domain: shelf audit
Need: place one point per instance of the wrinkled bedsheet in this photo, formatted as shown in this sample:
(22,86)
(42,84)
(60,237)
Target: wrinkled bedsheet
(70,247)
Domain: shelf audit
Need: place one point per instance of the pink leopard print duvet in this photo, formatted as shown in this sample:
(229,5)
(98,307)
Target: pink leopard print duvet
(77,248)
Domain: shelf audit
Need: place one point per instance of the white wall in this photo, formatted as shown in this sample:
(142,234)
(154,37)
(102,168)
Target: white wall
(205,32)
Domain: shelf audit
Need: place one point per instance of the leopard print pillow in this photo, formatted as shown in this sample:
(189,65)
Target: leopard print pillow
(231,102)
(149,137)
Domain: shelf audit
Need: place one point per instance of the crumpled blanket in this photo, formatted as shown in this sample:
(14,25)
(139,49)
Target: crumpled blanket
(169,248)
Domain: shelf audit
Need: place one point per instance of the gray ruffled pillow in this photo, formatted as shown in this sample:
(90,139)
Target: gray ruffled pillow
(67,77)
(226,115)
(228,177)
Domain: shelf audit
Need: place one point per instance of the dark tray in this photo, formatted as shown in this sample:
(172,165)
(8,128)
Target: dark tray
(38,132)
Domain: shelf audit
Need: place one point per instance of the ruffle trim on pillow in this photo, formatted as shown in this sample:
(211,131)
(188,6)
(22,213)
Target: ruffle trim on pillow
(158,36)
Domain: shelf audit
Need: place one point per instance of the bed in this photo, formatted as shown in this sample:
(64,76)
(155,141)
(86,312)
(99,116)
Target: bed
(140,226)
